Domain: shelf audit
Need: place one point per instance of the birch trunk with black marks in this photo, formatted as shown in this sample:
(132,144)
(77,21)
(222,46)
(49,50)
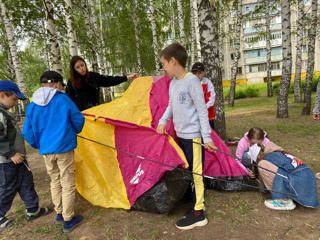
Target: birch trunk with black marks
(235,56)
(72,38)
(52,36)
(192,33)
(268,42)
(196,27)
(45,45)
(311,51)
(181,23)
(221,32)
(136,34)
(86,14)
(210,54)
(14,52)
(282,99)
(155,40)
(297,76)
(172,20)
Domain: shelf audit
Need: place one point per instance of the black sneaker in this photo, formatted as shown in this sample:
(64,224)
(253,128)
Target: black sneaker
(190,221)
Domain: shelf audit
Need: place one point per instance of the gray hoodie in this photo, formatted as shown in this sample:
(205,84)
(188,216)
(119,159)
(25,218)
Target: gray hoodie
(188,108)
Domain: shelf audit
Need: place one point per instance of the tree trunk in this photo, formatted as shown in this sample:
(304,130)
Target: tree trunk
(196,26)
(282,99)
(96,35)
(173,19)
(268,33)
(85,10)
(136,34)
(72,38)
(297,76)
(221,32)
(192,34)
(45,45)
(235,56)
(155,40)
(53,39)
(14,53)
(311,50)
(181,23)
(210,54)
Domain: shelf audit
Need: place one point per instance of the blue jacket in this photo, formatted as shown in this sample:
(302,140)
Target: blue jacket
(301,177)
(52,122)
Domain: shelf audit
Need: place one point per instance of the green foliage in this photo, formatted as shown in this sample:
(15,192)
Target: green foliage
(248,91)
(315,80)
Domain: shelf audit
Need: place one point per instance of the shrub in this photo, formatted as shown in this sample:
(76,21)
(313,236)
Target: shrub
(252,92)
(239,94)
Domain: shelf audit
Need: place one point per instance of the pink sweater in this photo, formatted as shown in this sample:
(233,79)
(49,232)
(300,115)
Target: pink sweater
(243,144)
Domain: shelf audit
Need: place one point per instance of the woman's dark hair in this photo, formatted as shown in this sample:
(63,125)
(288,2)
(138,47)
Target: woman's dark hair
(256,134)
(75,77)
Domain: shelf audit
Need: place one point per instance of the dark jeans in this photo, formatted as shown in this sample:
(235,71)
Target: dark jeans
(16,178)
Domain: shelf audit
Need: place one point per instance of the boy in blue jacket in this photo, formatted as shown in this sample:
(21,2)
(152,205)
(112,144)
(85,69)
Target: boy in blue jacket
(15,175)
(51,125)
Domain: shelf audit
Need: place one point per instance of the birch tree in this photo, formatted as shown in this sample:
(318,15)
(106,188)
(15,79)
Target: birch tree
(282,99)
(52,35)
(311,51)
(181,23)
(136,34)
(192,33)
(172,20)
(221,32)
(155,40)
(268,42)
(196,27)
(72,38)
(45,44)
(210,54)
(297,76)
(14,52)
(235,56)
(86,14)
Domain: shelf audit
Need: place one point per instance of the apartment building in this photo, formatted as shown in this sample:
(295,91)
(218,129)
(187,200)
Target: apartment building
(253,52)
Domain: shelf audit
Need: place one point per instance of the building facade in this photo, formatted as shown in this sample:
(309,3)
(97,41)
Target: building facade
(253,52)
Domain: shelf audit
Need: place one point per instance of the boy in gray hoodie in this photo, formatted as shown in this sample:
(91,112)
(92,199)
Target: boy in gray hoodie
(190,119)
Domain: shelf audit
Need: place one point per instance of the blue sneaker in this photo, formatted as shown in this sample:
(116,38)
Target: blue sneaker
(70,225)
(280,204)
(59,219)
(5,223)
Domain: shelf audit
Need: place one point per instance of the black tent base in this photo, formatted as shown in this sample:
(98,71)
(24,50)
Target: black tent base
(229,183)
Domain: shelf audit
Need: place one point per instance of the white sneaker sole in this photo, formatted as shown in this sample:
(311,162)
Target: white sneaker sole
(197,224)
(291,207)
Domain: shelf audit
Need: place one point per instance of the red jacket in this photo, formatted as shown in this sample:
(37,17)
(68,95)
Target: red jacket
(209,97)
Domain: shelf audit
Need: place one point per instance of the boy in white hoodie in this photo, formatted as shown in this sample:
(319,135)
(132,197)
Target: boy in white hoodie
(51,125)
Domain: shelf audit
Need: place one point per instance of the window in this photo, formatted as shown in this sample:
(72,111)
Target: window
(222,72)
(222,57)
(306,2)
(232,27)
(276,35)
(239,70)
(275,65)
(257,68)
(275,51)
(304,48)
(306,32)
(231,42)
(304,65)
(232,56)
(232,13)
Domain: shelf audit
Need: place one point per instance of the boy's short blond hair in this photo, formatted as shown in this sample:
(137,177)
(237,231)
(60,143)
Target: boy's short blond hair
(177,51)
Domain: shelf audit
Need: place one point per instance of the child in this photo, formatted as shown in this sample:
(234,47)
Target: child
(190,118)
(293,177)
(52,122)
(208,90)
(255,135)
(15,175)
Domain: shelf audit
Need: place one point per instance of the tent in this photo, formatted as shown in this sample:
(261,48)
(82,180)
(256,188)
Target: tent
(118,173)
